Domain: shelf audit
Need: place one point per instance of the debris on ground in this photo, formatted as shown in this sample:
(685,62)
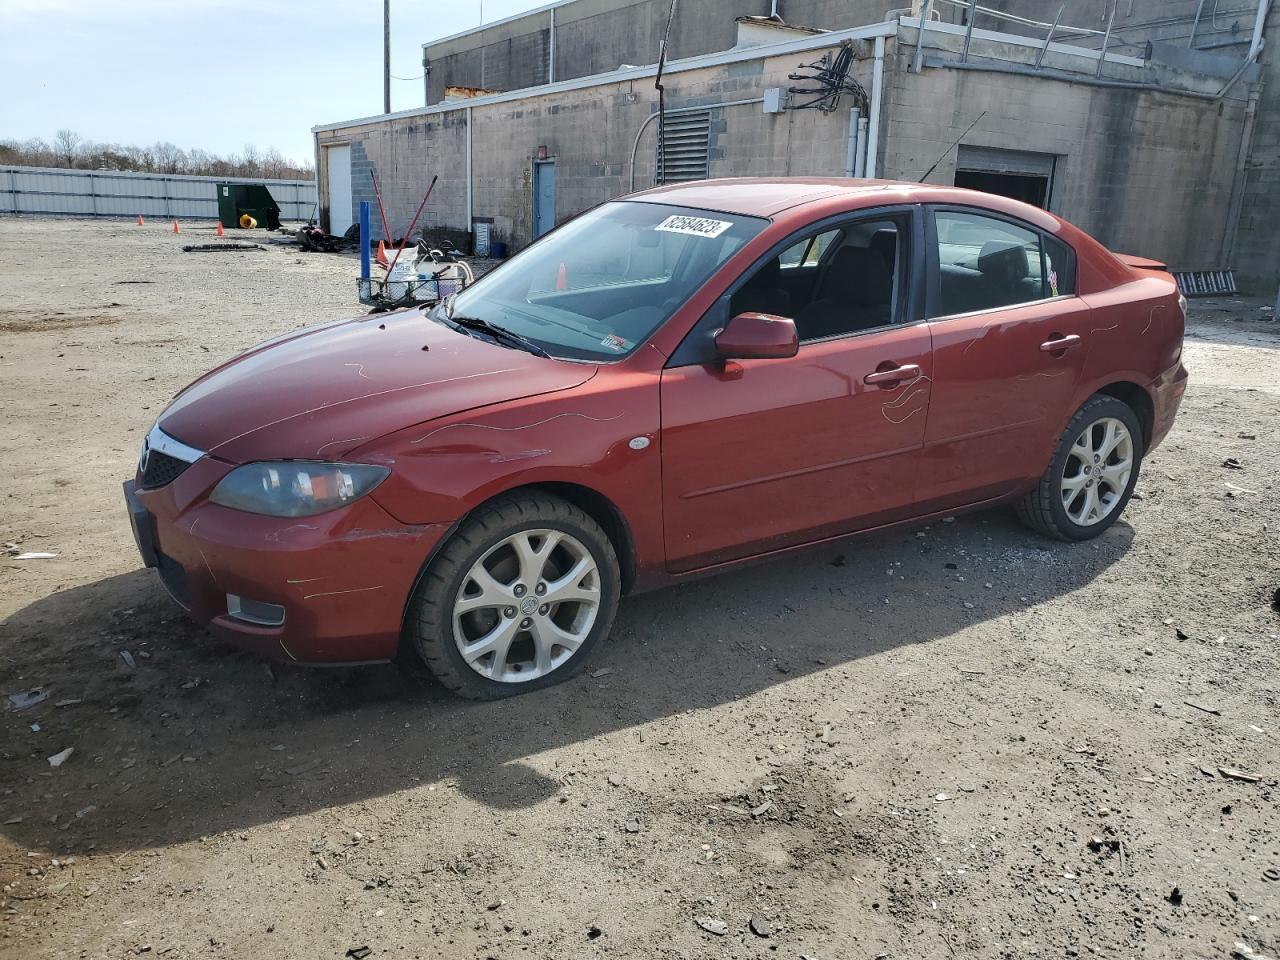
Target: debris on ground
(359,953)
(220,247)
(35,555)
(1206,707)
(760,926)
(1231,773)
(61,757)
(713,926)
(27,698)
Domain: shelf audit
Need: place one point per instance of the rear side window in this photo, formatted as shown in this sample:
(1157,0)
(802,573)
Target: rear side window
(985,264)
(1060,268)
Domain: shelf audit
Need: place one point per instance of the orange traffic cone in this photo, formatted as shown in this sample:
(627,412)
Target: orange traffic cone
(562,278)
(176,228)
(219,228)
(382,254)
(140,220)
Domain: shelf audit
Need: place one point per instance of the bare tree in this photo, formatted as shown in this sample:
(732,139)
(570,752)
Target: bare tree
(273,163)
(69,149)
(169,158)
(67,144)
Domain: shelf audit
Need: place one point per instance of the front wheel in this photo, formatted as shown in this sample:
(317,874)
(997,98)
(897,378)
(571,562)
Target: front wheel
(517,598)
(1092,473)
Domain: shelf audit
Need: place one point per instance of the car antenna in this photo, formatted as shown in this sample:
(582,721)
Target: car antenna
(955,143)
(662,101)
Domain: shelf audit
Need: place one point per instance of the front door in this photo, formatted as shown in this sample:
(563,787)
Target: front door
(1009,344)
(544,197)
(760,455)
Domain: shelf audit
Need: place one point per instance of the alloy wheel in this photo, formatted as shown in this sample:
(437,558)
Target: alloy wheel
(1097,470)
(526,606)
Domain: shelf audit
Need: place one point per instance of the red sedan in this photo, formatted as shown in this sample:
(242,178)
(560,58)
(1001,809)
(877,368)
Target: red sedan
(692,377)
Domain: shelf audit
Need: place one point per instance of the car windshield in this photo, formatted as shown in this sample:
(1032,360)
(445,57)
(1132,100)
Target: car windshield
(597,287)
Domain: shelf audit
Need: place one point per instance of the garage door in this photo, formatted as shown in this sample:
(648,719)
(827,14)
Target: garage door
(996,160)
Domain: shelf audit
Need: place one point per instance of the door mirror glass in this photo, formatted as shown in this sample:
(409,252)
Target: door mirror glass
(757,336)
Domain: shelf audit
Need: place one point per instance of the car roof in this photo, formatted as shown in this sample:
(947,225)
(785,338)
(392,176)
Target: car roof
(770,196)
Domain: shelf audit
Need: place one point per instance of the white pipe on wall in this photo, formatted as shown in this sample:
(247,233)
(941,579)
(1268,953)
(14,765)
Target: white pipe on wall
(860,168)
(470,210)
(1259,22)
(551,52)
(855,125)
(877,95)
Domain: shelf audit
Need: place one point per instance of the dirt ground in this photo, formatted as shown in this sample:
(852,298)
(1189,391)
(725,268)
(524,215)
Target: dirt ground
(956,741)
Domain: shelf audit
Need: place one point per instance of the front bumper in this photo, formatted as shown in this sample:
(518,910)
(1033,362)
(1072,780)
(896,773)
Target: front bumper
(343,577)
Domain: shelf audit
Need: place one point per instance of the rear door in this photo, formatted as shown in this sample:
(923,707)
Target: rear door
(1010,339)
(759,455)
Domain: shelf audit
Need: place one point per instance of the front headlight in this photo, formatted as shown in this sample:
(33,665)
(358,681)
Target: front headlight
(296,488)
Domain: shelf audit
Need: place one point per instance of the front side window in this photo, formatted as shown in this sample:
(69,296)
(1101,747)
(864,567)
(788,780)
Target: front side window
(831,283)
(985,264)
(600,285)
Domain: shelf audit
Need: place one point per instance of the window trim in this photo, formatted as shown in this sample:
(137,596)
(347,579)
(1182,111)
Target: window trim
(933,269)
(694,348)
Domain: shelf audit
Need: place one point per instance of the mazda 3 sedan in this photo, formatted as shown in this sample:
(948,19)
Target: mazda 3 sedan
(682,380)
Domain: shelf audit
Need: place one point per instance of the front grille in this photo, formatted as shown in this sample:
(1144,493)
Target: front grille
(161,469)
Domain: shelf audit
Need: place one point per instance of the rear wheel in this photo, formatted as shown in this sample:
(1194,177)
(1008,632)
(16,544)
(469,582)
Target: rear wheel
(517,598)
(1092,474)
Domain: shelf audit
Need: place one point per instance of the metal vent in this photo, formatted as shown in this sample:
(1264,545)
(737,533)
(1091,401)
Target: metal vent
(1205,283)
(687,137)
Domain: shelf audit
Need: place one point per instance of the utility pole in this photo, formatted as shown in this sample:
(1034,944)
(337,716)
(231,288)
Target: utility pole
(386,56)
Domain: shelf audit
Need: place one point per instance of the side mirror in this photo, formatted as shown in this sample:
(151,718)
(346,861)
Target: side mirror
(757,336)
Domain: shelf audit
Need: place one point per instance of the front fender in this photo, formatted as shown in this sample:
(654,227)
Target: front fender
(583,436)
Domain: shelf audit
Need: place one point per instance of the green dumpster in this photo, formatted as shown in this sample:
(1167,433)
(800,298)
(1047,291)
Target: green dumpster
(236,199)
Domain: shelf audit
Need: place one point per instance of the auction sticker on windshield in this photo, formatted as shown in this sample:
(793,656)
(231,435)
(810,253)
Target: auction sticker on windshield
(694,226)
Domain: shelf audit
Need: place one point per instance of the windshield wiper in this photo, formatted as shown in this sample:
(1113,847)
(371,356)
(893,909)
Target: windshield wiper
(498,333)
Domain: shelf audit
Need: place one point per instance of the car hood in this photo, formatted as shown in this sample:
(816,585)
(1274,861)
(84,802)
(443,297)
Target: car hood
(320,392)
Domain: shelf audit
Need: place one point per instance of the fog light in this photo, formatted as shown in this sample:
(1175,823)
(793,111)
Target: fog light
(255,611)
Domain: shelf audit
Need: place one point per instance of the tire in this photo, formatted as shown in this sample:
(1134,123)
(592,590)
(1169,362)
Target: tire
(1059,505)
(506,546)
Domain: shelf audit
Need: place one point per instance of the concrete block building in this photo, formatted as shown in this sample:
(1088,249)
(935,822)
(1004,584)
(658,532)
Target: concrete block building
(1153,124)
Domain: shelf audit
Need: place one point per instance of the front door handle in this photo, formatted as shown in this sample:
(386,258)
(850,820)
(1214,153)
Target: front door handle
(1059,343)
(894,375)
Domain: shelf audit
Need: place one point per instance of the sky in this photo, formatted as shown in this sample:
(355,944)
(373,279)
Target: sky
(214,74)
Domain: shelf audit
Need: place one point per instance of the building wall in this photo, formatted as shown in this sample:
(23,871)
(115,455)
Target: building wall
(1145,173)
(590,133)
(597,36)
(1148,173)
(1257,248)
(405,154)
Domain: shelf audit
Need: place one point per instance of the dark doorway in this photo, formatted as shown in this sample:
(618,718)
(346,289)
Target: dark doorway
(1016,186)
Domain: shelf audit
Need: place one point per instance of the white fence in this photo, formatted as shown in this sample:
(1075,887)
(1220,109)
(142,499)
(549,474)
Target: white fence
(113,193)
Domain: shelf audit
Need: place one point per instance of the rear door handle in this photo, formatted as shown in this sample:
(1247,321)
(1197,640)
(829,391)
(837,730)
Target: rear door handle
(1060,343)
(908,371)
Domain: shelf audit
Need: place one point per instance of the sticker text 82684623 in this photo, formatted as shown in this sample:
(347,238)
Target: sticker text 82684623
(693,226)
